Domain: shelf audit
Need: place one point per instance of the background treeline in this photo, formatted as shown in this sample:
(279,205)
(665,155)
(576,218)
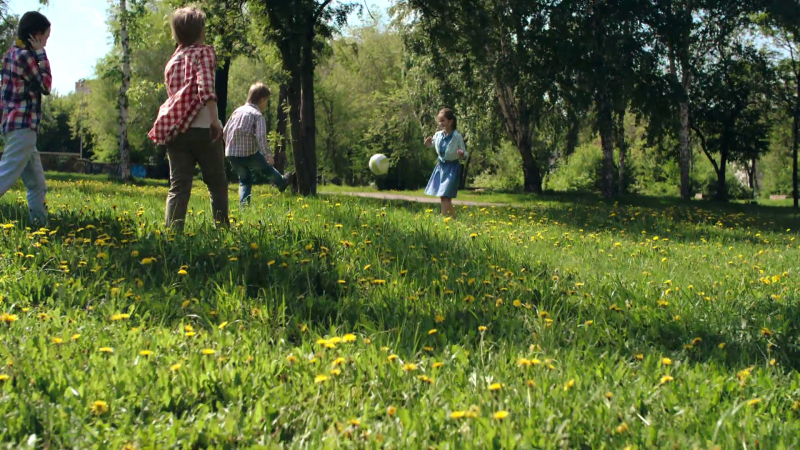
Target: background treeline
(671,98)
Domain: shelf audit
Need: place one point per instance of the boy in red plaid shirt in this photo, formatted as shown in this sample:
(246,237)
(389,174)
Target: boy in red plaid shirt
(187,122)
(26,77)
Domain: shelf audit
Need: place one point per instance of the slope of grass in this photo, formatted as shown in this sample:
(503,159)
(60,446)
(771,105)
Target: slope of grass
(338,321)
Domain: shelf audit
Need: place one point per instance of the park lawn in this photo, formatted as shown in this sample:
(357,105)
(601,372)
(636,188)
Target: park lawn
(339,321)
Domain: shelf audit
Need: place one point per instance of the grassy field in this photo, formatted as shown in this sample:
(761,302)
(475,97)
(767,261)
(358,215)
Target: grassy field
(342,322)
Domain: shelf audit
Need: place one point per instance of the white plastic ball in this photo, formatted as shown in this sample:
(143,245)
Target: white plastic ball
(379,164)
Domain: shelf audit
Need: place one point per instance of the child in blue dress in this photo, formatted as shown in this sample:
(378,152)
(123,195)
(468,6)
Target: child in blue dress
(450,147)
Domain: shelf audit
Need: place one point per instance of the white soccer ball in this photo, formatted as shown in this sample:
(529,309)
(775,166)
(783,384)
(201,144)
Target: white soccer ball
(379,164)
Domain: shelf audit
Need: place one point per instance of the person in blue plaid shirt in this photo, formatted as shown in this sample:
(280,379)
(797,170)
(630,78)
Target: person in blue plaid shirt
(246,145)
(26,77)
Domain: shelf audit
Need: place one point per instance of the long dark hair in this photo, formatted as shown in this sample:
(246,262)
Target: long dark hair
(448,114)
(31,23)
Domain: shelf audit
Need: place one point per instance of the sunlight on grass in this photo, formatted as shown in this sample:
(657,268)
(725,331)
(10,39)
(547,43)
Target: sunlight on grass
(340,321)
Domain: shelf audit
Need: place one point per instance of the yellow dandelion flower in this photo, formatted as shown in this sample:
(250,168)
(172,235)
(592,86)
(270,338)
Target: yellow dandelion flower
(438,365)
(183,272)
(75,337)
(349,338)
(495,387)
(99,408)
(208,351)
(337,362)
(458,414)
(118,317)
(321,379)
(753,402)
(8,318)
(500,415)
(439,318)
(391,411)
(58,340)
(666,379)
(570,384)
(336,372)
(482,328)
(3,377)
(254,246)
(175,367)
(431,332)
(145,353)
(392,358)
(666,361)
(409,367)
(105,350)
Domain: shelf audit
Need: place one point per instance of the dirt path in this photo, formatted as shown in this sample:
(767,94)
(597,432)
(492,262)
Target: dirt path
(414,198)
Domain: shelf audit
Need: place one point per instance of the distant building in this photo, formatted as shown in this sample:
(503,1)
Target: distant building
(82,87)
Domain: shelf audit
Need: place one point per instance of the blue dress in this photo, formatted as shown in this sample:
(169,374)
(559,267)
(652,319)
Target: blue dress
(444,180)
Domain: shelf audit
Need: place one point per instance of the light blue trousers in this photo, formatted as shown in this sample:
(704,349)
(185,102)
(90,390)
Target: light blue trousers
(21,159)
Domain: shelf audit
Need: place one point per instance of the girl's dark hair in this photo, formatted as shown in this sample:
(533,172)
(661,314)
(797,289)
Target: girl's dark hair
(32,22)
(448,114)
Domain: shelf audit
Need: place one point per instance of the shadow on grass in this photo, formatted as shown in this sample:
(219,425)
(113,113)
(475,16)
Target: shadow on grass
(291,280)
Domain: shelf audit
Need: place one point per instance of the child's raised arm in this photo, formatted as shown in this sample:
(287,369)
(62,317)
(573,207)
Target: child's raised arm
(38,69)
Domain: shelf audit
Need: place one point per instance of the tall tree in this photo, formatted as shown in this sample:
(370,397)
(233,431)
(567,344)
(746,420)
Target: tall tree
(507,45)
(298,29)
(606,47)
(730,112)
(688,30)
(785,34)
(122,98)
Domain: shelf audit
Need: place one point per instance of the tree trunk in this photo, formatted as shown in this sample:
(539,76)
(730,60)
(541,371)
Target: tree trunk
(533,178)
(605,123)
(462,182)
(795,139)
(685,150)
(622,145)
(572,135)
(122,98)
(517,122)
(294,98)
(722,191)
(282,127)
(305,157)
(221,77)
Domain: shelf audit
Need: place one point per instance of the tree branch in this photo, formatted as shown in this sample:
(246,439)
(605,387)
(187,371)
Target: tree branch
(318,12)
(703,147)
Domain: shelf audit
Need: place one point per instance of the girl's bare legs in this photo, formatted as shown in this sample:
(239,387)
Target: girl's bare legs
(447,207)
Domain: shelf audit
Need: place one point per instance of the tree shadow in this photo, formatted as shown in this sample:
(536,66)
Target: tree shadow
(293,274)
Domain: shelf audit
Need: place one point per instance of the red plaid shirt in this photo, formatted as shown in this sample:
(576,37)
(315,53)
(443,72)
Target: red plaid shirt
(26,77)
(190,85)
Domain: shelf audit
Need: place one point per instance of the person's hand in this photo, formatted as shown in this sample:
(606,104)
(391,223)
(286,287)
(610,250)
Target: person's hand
(37,43)
(216,130)
(429,141)
(460,153)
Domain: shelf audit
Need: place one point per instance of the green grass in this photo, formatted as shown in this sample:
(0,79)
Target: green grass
(248,329)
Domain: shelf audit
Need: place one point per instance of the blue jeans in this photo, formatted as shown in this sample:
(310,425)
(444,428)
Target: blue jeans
(21,160)
(245,168)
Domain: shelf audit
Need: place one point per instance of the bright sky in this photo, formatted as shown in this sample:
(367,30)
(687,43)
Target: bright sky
(80,37)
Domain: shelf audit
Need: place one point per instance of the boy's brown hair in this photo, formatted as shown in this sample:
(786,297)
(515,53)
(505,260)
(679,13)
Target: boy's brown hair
(188,25)
(258,92)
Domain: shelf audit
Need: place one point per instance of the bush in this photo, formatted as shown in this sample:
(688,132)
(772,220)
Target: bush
(503,170)
(580,172)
